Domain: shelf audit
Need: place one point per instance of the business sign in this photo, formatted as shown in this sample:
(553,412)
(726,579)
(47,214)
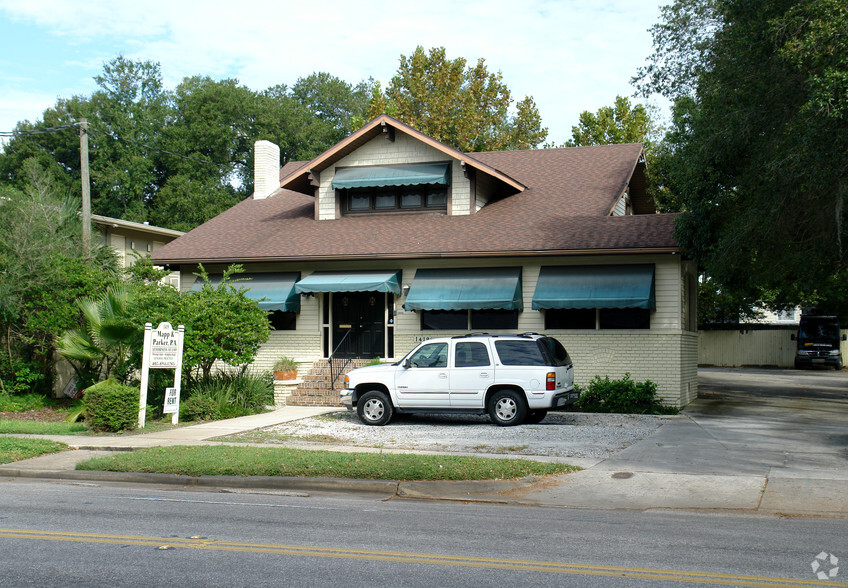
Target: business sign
(164,347)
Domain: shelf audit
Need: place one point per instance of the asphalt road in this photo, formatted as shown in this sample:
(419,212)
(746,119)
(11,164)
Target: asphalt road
(62,534)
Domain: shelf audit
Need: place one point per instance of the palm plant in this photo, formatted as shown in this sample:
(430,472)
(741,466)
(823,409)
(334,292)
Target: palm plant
(102,346)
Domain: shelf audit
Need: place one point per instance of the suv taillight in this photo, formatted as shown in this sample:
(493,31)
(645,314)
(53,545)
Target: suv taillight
(347,381)
(550,383)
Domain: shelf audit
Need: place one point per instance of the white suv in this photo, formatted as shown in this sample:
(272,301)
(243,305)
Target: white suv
(515,378)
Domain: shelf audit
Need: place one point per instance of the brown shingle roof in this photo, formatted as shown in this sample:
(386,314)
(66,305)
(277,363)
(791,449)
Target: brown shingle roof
(563,210)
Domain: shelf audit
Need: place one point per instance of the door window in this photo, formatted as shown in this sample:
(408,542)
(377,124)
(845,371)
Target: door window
(471,354)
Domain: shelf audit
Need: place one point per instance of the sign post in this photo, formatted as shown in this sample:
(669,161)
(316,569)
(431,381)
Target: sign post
(163,349)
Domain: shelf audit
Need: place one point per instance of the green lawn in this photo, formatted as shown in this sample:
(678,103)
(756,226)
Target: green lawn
(12,449)
(40,428)
(260,461)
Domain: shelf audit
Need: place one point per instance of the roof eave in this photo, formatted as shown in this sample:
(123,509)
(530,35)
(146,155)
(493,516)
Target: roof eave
(108,221)
(431,255)
(375,128)
(639,158)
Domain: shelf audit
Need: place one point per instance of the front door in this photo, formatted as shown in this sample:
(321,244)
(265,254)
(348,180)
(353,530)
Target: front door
(361,317)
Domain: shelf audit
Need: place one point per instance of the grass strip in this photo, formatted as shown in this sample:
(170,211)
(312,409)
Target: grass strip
(259,461)
(12,449)
(40,428)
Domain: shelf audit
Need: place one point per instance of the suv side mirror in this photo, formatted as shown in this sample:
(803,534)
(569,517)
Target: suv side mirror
(792,337)
(844,337)
(405,364)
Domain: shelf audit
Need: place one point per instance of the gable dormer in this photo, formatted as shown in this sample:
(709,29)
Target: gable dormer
(389,168)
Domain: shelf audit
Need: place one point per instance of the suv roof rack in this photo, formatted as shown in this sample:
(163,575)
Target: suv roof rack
(480,334)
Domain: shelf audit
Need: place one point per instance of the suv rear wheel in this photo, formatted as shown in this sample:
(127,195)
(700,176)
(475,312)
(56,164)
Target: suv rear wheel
(374,408)
(507,408)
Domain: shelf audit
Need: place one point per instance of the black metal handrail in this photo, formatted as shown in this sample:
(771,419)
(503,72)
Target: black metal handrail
(340,357)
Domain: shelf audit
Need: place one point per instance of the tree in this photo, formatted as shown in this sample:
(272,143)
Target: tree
(44,271)
(130,105)
(620,123)
(340,105)
(626,123)
(222,323)
(467,108)
(178,157)
(103,345)
(760,138)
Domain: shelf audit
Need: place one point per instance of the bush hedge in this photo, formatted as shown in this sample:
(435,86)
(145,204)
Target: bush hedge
(622,396)
(110,406)
(228,395)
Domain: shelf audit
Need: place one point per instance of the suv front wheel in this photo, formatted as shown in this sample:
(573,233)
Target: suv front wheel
(507,408)
(374,408)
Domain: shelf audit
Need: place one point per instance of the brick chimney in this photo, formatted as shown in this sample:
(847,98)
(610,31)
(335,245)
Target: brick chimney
(266,169)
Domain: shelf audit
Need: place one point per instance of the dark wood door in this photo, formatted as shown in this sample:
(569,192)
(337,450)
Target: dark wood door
(362,315)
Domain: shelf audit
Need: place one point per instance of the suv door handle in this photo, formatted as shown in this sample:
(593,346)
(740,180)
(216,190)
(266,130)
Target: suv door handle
(484,374)
(443,376)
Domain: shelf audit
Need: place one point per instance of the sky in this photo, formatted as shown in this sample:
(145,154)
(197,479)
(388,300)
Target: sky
(569,55)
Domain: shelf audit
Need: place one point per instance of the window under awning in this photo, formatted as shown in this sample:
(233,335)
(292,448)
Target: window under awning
(276,288)
(353,281)
(375,176)
(495,288)
(596,286)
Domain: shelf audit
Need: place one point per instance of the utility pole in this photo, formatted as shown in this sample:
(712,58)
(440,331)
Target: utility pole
(86,189)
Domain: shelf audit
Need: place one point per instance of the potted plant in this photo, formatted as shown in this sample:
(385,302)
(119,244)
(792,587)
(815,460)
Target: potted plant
(285,369)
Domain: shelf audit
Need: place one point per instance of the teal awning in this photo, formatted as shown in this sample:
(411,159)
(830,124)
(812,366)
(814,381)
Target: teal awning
(276,288)
(595,286)
(353,281)
(375,176)
(490,288)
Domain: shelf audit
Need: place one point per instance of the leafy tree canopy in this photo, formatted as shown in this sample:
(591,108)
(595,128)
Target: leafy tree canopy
(221,322)
(468,108)
(622,122)
(758,140)
(43,271)
(178,157)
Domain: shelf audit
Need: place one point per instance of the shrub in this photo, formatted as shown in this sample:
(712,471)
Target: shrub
(622,396)
(199,408)
(285,364)
(233,394)
(23,402)
(110,406)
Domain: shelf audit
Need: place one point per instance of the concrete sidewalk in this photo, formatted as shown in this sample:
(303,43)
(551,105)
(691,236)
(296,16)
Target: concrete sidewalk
(748,446)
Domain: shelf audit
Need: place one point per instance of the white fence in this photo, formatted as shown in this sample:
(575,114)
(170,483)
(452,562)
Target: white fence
(749,348)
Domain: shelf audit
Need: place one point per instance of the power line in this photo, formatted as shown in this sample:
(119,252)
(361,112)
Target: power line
(38,131)
(117,138)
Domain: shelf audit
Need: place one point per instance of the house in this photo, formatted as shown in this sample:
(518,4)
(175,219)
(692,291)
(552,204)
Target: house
(391,237)
(131,240)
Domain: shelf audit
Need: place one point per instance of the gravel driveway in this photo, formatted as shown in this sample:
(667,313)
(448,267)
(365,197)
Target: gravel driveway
(560,435)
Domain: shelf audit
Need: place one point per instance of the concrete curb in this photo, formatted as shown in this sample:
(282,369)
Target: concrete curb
(253,482)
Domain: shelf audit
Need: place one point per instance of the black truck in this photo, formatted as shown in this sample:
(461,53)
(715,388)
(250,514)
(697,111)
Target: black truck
(818,342)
